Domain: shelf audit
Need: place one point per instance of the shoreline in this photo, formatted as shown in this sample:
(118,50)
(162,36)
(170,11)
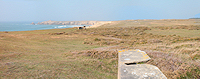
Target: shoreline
(95,24)
(51,26)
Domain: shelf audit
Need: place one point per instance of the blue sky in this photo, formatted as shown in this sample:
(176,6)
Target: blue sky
(79,10)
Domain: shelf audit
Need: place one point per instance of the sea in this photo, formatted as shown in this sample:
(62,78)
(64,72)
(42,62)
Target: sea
(27,26)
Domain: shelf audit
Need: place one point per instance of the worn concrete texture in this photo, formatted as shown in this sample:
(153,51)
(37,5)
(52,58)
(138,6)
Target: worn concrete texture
(129,69)
(140,71)
(133,56)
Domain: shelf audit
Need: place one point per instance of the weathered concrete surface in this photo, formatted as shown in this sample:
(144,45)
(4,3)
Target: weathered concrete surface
(133,56)
(140,71)
(134,70)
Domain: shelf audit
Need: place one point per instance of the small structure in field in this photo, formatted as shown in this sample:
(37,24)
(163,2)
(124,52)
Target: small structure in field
(84,27)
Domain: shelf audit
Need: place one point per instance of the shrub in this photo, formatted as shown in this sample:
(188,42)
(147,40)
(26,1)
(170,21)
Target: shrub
(96,39)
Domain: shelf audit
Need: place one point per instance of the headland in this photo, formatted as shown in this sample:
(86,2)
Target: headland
(90,23)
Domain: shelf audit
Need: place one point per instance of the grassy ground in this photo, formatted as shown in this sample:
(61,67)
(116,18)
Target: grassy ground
(179,32)
(37,54)
(92,53)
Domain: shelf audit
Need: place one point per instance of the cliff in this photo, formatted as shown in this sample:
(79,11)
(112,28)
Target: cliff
(32,23)
(73,22)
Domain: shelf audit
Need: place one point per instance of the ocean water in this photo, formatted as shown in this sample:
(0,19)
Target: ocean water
(26,26)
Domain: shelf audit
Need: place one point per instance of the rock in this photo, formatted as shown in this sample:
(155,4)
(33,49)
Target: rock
(32,23)
(129,67)
(72,22)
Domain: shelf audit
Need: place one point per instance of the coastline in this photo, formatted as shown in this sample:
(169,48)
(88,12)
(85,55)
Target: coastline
(92,24)
(27,26)
(99,24)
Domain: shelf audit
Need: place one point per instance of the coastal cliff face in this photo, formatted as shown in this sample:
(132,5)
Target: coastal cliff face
(73,22)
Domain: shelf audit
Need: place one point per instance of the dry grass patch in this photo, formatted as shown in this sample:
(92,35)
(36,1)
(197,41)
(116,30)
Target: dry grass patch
(173,66)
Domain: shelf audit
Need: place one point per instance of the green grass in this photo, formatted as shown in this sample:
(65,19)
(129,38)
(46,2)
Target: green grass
(37,54)
(180,32)
(54,68)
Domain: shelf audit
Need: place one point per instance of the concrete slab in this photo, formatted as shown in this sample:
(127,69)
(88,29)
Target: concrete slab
(133,56)
(134,70)
(140,71)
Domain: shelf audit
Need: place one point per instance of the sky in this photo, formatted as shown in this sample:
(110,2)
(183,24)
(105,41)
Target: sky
(99,10)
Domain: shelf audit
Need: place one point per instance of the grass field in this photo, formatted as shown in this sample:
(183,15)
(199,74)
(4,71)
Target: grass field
(30,54)
(92,53)
(179,32)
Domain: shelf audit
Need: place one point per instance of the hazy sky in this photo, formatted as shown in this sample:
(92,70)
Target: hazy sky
(71,10)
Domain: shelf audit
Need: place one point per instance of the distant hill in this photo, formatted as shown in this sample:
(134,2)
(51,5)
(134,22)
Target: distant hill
(194,18)
(197,15)
(72,22)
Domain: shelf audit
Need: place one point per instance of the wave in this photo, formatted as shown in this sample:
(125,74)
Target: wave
(75,25)
(26,24)
(60,26)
